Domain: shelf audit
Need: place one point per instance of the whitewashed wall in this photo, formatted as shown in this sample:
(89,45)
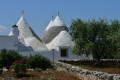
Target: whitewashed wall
(57,55)
(7,42)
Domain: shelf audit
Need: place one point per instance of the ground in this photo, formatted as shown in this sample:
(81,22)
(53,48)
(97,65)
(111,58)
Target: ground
(43,75)
(111,70)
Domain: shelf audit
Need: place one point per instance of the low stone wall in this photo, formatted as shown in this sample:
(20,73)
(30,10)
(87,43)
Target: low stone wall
(87,74)
(104,62)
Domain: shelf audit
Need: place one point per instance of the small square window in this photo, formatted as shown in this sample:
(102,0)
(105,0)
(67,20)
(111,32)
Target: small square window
(64,52)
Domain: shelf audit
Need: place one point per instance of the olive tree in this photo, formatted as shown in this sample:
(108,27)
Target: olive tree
(94,37)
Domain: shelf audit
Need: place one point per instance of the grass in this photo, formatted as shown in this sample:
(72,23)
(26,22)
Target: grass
(44,75)
(111,70)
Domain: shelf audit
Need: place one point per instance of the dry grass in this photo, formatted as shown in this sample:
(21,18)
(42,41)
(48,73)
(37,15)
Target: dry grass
(111,70)
(44,75)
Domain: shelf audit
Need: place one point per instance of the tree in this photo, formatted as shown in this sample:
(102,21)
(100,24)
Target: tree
(94,37)
(115,36)
(8,57)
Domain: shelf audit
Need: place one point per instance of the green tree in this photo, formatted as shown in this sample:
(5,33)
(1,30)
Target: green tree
(115,37)
(94,37)
(8,57)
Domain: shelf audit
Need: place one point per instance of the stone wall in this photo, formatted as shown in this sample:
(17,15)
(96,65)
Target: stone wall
(104,62)
(86,74)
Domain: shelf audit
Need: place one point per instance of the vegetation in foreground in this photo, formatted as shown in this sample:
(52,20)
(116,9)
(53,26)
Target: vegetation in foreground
(19,64)
(10,57)
(7,57)
(42,75)
(19,67)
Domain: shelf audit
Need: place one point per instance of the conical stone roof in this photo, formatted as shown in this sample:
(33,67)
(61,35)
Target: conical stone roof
(28,35)
(11,33)
(58,21)
(63,39)
(35,44)
(25,30)
(50,24)
(52,31)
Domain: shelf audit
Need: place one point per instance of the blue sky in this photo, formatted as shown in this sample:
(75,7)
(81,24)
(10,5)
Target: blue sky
(38,12)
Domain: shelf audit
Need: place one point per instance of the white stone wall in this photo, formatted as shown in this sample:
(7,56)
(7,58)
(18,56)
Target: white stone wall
(85,74)
(7,42)
(57,54)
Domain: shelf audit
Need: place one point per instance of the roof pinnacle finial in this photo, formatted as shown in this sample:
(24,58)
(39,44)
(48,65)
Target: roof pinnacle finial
(14,23)
(22,13)
(51,17)
(58,13)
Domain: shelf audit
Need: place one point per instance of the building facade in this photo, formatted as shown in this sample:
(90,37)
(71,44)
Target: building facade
(55,43)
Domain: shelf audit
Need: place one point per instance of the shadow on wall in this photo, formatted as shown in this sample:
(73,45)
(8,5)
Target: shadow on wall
(23,48)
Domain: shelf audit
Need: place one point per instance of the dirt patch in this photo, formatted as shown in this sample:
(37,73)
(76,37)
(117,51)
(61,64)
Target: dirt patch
(44,75)
(111,70)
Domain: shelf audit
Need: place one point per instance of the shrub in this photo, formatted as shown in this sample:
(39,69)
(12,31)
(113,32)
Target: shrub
(0,62)
(38,61)
(8,57)
(19,67)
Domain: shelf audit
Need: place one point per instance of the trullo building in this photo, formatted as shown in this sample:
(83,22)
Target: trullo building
(55,43)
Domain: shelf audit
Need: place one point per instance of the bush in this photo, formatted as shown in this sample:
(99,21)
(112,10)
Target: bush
(19,67)
(8,57)
(38,61)
(0,62)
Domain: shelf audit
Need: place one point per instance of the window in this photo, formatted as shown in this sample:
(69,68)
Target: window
(64,52)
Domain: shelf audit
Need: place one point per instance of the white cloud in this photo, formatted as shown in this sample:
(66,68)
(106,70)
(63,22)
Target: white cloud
(3,28)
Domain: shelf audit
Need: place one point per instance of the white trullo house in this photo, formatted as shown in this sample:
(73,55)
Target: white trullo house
(55,43)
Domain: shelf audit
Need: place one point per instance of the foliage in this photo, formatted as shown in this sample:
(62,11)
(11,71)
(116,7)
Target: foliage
(19,67)
(38,61)
(97,37)
(7,57)
(0,62)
